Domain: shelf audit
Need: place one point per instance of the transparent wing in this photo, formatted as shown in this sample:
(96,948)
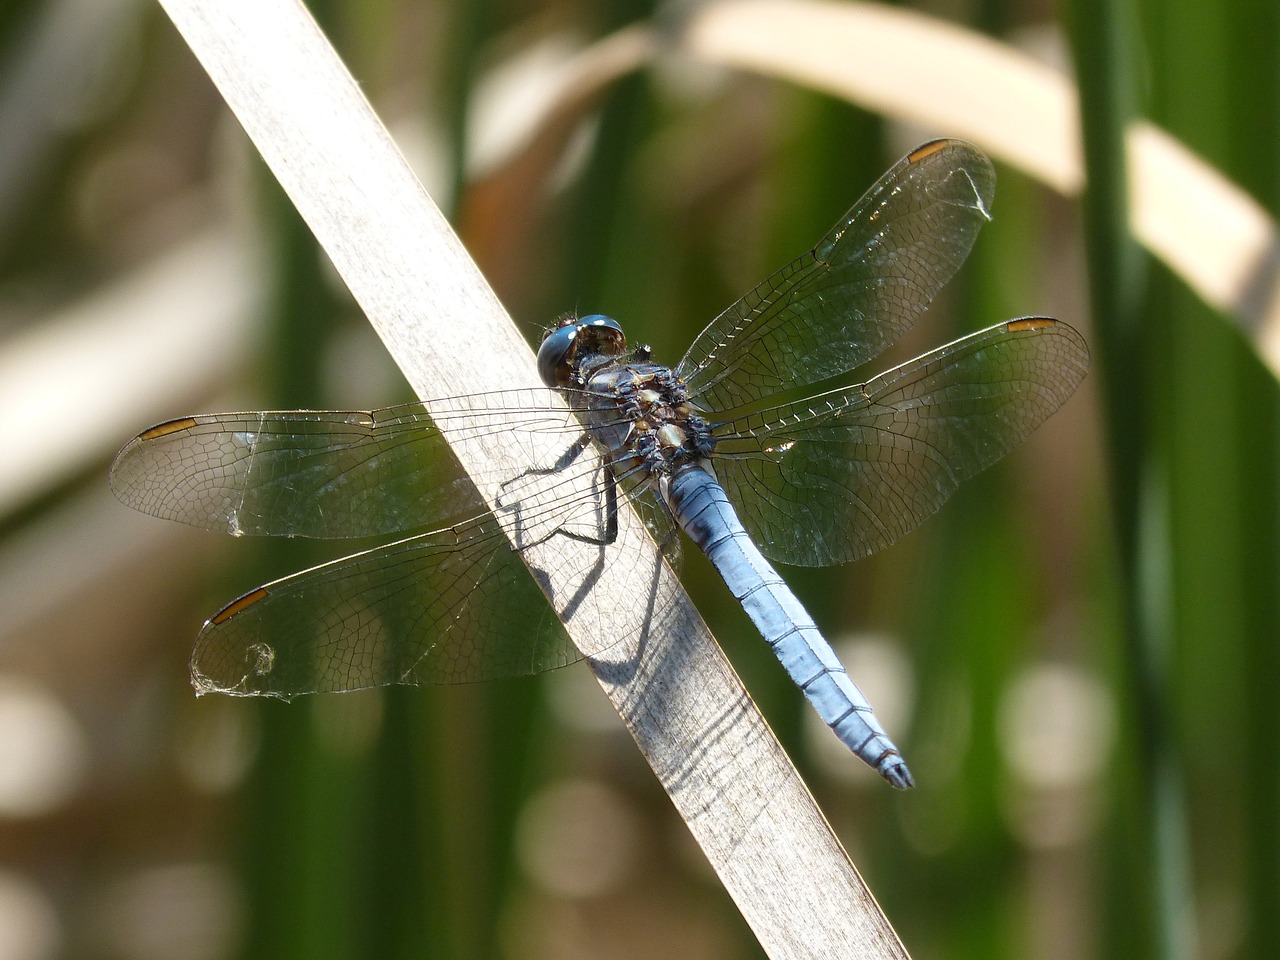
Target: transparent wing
(857,291)
(326,474)
(454,605)
(451,606)
(840,475)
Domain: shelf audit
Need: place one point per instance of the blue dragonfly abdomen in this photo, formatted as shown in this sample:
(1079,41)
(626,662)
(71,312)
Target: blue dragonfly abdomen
(703,511)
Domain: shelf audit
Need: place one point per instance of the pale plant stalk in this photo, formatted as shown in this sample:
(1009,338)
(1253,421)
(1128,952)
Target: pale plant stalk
(704,738)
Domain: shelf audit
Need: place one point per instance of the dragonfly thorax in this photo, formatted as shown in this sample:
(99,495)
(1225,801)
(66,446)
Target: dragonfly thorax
(643,416)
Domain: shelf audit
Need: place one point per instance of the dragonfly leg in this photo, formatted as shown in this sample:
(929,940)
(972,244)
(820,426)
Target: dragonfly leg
(610,518)
(542,525)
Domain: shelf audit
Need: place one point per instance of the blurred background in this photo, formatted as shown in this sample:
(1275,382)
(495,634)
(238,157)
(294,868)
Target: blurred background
(1078,655)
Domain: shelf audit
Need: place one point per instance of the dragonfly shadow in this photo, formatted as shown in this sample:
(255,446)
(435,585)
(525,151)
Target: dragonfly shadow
(663,682)
(577,536)
(630,651)
(617,606)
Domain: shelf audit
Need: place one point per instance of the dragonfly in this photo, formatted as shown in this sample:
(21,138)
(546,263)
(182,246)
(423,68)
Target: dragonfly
(757,445)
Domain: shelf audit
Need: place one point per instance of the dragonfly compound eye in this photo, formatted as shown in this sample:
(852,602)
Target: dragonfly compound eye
(574,340)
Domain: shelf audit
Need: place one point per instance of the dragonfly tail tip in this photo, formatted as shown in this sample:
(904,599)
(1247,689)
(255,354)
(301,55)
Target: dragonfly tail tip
(898,775)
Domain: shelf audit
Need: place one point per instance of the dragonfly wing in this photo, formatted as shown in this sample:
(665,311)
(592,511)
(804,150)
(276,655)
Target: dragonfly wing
(840,475)
(452,606)
(857,291)
(325,474)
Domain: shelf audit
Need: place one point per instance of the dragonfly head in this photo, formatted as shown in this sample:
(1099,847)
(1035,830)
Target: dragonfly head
(565,347)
